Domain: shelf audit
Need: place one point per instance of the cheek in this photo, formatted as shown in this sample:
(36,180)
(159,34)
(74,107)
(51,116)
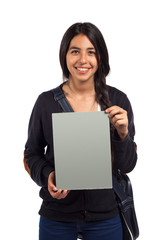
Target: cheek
(70,62)
(95,63)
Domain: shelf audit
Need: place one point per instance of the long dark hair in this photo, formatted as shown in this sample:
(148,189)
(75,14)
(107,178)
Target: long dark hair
(96,38)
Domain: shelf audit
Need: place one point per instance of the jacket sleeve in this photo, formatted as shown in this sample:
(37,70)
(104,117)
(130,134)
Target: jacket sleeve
(34,154)
(125,152)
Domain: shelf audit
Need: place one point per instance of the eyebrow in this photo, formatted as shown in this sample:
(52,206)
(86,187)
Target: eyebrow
(90,48)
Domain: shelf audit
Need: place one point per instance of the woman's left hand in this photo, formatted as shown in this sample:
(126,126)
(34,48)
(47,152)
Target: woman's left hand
(119,119)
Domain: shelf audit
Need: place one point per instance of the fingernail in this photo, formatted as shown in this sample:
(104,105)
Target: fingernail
(55,190)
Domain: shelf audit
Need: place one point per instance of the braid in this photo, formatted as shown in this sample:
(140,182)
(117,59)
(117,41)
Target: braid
(104,101)
(102,92)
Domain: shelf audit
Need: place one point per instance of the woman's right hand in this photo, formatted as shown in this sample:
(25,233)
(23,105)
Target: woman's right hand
(54,192)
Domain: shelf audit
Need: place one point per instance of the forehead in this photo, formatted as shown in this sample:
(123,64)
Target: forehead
(81,41)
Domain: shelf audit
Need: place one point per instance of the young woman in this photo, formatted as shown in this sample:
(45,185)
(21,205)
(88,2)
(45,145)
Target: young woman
(94,213)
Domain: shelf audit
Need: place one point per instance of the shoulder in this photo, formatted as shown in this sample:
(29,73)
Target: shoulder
(48,95)
(46,101)
(118,97)
(45,96)
(115,93)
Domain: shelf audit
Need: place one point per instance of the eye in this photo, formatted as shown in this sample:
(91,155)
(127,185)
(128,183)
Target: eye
(75,52)
(92,53)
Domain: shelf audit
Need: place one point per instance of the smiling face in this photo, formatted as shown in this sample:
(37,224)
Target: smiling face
(81,59)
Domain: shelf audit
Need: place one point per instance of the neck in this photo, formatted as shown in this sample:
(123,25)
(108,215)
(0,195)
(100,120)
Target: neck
(81,88)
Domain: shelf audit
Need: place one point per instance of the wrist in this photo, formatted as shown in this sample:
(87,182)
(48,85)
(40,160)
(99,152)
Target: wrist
(123,135)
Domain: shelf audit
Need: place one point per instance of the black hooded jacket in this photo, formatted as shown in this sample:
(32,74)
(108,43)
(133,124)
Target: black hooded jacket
(79,205)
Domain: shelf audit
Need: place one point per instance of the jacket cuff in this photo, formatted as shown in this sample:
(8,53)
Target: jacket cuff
(117,139)
(120,146)
(45,174)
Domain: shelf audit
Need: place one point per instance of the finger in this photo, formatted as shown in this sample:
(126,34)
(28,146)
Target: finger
(59,194)
(118,117)
(110,109)
(52,187)
(119,120)
(117,112)
(56,194)
(120,123)
(62,194)
(51,180)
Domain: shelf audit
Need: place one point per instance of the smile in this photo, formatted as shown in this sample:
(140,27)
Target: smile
(82,70)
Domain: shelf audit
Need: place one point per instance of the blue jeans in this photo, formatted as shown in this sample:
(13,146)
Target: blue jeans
(110,229)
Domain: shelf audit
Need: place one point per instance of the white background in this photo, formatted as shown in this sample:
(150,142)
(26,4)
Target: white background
(30,35)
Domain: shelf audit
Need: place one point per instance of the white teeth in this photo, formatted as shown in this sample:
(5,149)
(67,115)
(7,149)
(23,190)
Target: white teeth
(82,69)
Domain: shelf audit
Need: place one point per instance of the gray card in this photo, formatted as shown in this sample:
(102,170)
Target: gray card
(82,151)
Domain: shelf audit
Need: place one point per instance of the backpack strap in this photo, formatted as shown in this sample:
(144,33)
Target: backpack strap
(62,100)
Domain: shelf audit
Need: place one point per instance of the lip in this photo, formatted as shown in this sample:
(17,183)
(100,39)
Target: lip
(82,69)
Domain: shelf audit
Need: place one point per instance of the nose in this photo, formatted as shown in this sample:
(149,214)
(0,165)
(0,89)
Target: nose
(83,58)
